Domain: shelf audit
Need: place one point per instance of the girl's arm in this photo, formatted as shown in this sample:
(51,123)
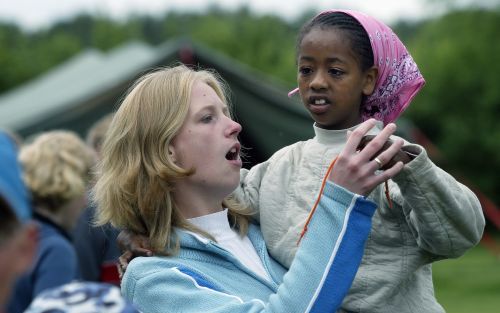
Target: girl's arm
(444,216)
(248,191)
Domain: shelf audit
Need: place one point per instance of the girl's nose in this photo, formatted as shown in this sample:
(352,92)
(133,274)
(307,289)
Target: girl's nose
(319,81)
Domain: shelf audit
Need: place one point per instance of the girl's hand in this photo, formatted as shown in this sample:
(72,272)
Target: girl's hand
(400,155)
(132,245)
(355,169)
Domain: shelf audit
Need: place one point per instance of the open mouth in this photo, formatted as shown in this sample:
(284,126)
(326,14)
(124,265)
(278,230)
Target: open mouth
(318,101)
(319,105)
(233,154)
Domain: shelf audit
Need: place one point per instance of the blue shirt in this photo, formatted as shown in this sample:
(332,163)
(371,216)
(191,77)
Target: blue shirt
(55,264)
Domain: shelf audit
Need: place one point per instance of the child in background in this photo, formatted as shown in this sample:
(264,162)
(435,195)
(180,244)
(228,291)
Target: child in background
(352,67)
(18,242)
(56,171)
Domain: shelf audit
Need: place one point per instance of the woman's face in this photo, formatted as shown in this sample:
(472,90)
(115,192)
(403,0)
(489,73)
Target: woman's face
(208,143)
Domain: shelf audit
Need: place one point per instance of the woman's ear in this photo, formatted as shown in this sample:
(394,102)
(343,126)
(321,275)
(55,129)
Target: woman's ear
(171,153)
(370,81)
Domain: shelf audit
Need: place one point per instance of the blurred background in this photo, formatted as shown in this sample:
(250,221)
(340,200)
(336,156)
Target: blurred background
(64,64)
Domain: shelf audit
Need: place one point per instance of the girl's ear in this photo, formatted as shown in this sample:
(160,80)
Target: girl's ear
(371,76)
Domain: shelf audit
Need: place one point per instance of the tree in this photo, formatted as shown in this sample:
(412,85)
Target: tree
(459,108)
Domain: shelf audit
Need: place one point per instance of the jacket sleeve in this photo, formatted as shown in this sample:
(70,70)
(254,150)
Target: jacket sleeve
(57,266)
(89,245)
(248,190)
(317,281)
(445,217)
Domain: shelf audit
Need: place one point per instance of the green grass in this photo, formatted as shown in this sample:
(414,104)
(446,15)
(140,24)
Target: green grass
(470,283)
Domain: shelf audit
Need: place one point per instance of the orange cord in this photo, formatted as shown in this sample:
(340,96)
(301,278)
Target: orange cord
(387,196)
(304,230)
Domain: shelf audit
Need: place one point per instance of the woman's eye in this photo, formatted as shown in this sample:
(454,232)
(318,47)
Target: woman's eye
(207,118)
(305,70)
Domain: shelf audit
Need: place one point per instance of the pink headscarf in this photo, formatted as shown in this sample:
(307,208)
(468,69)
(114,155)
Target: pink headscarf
(398,80)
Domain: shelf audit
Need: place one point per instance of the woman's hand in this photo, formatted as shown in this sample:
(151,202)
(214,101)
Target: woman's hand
(132,245)
(357,170)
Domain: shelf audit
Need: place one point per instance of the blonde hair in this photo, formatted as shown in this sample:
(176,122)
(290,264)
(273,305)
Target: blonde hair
(56,168)
(136,173)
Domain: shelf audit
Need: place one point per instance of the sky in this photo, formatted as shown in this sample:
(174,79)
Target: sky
(36,14)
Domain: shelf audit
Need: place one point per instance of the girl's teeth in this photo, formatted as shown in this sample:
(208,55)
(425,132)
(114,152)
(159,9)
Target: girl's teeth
(320,101)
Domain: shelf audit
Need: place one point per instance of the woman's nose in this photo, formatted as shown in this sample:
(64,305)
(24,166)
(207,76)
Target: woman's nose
(234,128)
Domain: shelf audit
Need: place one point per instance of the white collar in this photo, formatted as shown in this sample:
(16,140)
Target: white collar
(216,224)
(338,136)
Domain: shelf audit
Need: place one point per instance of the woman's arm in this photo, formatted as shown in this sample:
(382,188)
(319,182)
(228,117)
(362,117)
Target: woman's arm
(317,281)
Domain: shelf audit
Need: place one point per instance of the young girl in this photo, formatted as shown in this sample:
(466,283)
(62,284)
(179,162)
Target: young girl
(352,67)
(170,161)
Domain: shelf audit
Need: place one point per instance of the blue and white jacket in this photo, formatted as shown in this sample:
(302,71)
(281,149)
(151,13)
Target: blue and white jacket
(204,277)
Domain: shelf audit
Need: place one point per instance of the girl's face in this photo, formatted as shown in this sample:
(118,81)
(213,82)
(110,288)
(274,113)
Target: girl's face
(330,79)
(208,142)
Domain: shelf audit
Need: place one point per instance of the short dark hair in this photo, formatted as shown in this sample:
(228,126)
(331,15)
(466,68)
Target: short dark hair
(360,42)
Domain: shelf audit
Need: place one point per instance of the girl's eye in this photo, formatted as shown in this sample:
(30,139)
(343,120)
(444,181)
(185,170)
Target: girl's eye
(335,72)
(303,70)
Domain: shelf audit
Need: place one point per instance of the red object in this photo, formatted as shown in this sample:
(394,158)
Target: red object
(186,55)
(109,273)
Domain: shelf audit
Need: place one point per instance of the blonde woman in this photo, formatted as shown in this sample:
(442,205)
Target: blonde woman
(170,161)
(56,170)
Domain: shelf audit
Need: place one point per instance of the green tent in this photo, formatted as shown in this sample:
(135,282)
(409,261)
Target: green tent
(78,92)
